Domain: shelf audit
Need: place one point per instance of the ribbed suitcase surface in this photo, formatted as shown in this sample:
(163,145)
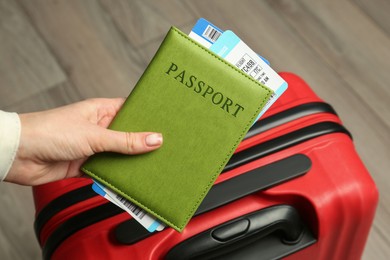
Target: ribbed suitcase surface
(295,188)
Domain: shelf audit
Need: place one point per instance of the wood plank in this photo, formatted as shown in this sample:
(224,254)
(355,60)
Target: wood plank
(147,52)
(98,61)
(377,10)
(349,42)
(27,65)
(377,245)
(287,49)
(63,94)
(103,58)
(17,239)
(143,21)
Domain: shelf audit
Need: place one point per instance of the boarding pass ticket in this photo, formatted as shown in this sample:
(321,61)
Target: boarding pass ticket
(147,221)
(206,33)
(230,47)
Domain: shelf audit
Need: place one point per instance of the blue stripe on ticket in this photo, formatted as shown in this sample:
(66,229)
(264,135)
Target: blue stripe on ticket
(147,221)
(96,188)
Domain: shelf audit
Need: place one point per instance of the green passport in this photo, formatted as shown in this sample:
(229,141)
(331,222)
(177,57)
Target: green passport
(203,106)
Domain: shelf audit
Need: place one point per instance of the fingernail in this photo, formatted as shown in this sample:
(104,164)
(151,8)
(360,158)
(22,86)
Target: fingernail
(153,139)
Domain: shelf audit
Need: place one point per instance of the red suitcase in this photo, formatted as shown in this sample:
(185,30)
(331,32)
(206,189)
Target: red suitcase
(295,188)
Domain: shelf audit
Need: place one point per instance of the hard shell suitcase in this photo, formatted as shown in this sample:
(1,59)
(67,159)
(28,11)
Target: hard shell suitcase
(295,188)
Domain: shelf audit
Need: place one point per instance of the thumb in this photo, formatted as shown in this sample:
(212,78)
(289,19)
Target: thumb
(127,142)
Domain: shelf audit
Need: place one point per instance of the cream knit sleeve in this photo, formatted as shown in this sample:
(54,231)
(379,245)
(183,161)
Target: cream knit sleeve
(10,129)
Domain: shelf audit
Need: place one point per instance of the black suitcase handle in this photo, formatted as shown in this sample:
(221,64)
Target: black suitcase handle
(130,231)
(242,235)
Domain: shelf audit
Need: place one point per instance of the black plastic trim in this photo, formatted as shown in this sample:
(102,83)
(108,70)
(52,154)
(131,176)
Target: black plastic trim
(230,190)
(258,179)
(86,192)
(233,189)
(76,223)
(288,116)
(284,142)
(266,148)
(59,204)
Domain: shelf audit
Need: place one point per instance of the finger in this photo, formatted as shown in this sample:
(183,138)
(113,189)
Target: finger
(110,104)
(74,168)
(96,109)
(127,142)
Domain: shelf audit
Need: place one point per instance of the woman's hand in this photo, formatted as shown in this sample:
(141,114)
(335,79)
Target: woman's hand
(54,143)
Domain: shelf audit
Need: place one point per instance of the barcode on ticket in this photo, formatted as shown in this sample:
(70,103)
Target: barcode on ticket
(133,208)
(211,34)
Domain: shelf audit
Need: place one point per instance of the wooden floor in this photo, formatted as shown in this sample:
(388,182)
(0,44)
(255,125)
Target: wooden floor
(56,52)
